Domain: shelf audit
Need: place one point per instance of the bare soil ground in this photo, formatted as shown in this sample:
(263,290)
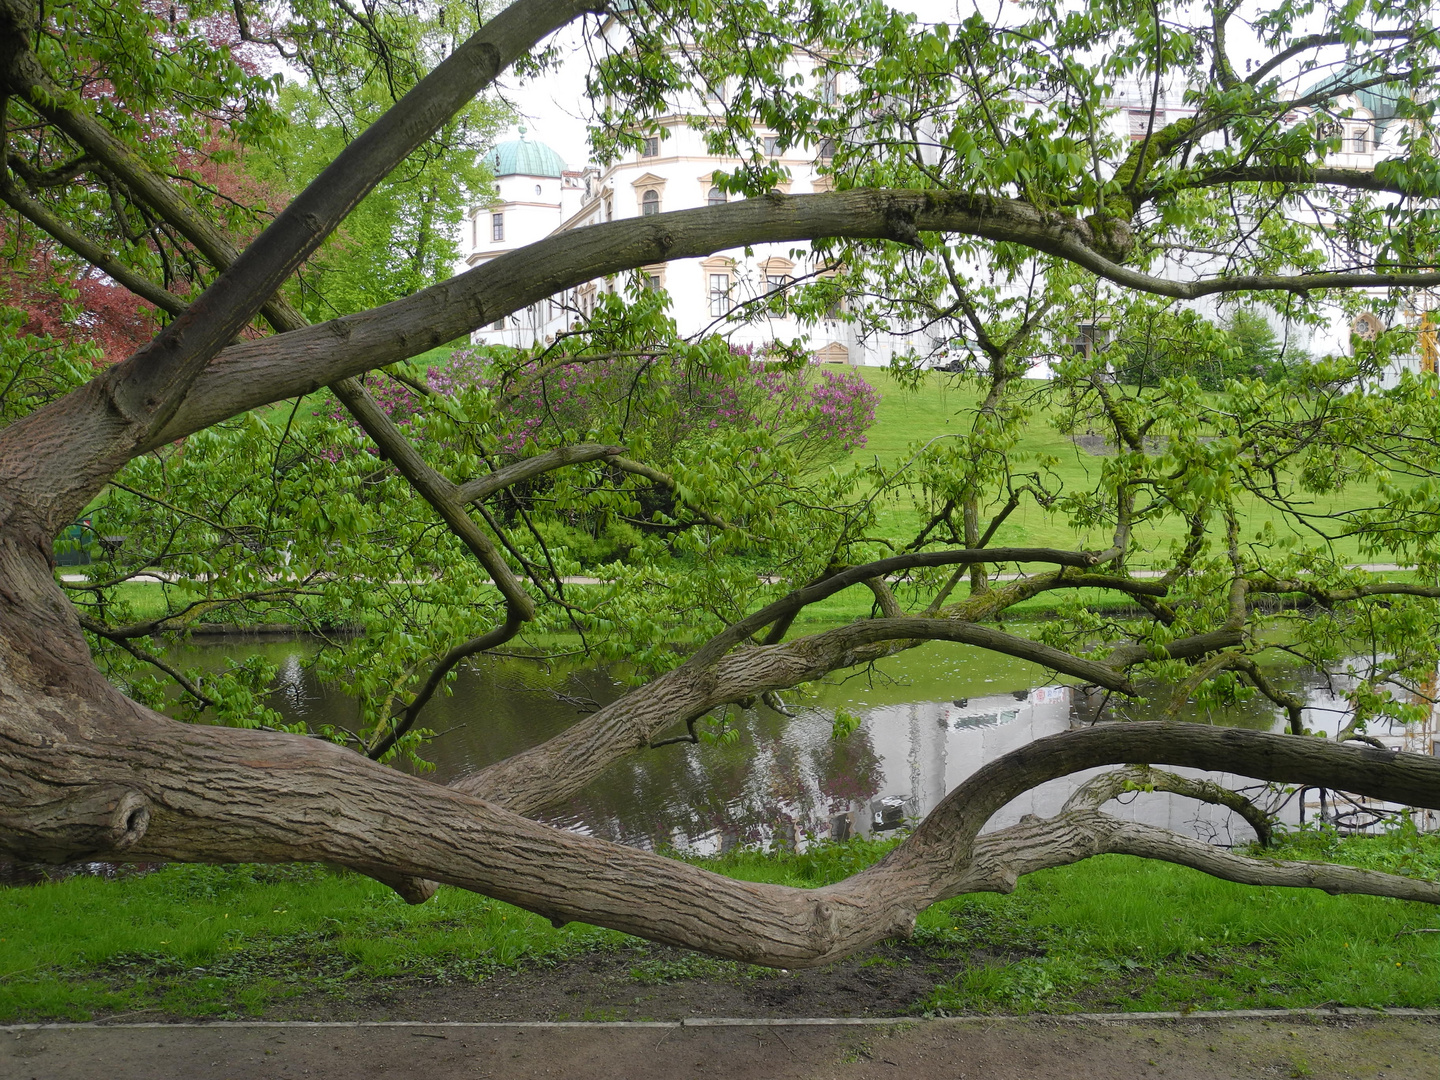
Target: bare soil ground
(992,1048)
(645,983)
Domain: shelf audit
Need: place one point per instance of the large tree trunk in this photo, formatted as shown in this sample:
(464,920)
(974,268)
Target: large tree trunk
(85,773)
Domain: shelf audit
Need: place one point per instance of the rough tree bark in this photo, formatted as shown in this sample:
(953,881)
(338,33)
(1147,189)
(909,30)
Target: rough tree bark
(87,773)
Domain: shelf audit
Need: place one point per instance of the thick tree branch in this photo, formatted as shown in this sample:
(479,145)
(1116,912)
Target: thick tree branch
(1327,597)
(36,213)
(1186,648)
(1326,176)
(829,586)
(1317,41)
(547,774)
(137,396)
(439,492)
(529,468)
(77,785)
(255,373)
(1147,842)
(1099,790)
(1003,856)
(153,382)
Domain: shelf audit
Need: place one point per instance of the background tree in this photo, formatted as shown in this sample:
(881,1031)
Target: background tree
(405,234)
(977,190)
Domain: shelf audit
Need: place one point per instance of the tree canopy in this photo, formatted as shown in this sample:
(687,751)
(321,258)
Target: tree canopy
(983,201)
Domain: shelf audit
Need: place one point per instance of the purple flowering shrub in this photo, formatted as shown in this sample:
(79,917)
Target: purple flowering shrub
(665,402)
(400,403)
(685,414)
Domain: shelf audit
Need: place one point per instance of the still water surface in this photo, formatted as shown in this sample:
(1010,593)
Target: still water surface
(929,718)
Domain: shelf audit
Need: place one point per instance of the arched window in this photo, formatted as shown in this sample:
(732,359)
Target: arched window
(716,197)
(650,203)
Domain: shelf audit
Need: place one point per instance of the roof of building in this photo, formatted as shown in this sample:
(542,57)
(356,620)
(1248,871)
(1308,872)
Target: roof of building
(1382,100)
(523,157)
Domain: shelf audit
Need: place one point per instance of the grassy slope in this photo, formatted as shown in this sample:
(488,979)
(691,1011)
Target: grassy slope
(905,419)
(1111,933)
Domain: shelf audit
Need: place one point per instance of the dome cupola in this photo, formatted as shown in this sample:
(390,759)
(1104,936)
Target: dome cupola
(524,157)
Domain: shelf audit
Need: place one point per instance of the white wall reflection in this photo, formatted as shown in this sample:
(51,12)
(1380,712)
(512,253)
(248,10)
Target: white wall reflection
(927,748)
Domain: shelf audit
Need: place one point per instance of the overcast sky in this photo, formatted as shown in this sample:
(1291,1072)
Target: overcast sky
(553,106)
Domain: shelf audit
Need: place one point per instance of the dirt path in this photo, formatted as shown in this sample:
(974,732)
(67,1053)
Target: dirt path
(1078,1048)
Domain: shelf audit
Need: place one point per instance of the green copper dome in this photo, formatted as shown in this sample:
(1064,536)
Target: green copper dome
(1382,101)
(521,157)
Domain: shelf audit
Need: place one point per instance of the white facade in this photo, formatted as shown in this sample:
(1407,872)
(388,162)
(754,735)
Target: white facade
(723,293)
(1369,132)
(540,195)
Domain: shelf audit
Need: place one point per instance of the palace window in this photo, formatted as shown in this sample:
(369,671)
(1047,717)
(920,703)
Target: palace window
(716,197)
(651,147)
(650,203)
(1089,339)
(719,295)
(497,227)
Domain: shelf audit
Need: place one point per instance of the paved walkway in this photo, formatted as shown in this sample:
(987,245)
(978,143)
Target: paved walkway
(1232,1046)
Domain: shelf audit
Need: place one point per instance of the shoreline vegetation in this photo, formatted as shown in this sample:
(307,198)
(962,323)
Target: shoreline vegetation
(1110,934)
(906,415)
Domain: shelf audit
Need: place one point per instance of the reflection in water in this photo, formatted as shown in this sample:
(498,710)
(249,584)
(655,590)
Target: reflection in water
(930,718)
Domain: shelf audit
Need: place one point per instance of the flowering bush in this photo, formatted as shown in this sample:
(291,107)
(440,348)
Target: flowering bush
(667,402)
(659,403)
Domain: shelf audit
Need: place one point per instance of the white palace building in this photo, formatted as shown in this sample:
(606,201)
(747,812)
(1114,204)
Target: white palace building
(539,195)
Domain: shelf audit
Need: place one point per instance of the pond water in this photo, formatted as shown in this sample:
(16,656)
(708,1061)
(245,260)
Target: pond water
(928,719)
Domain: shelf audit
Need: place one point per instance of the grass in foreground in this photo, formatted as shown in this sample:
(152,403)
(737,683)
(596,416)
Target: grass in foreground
(1113,933)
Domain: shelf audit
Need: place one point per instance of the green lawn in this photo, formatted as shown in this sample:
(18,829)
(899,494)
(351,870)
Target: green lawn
(906,419)
(1111,933)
